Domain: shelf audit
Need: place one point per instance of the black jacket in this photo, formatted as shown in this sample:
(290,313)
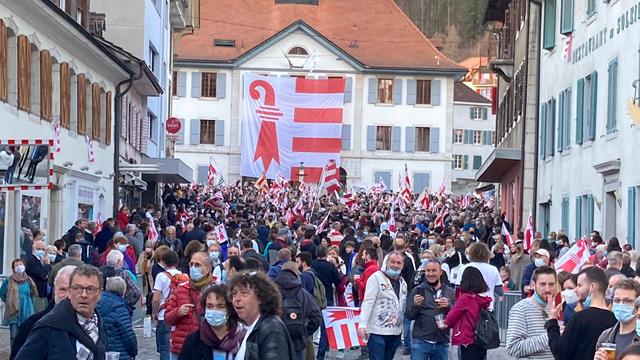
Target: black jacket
(54,337)
(39,272)
(102,238)
(291,286)
(425,327)
(269,340)
(25,328)
(254,255)
(328,274)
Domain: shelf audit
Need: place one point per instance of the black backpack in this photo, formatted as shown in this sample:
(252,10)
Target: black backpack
(487,334)
(293,316)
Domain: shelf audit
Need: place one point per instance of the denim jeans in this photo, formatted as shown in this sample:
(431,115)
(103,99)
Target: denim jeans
(406,334)
(383,347)
(423,350)
(323,345)
(13,331)
(162,339)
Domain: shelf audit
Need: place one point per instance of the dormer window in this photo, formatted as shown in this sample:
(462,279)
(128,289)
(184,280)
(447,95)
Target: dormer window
(299,51)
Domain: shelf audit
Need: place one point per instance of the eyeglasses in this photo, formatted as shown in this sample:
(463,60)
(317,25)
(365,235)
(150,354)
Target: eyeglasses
(91,290)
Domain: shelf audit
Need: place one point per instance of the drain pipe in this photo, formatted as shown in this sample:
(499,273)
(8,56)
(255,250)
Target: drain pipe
(118,129)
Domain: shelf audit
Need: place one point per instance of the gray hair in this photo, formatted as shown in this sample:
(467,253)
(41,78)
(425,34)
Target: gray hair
(64,271)
(114,256)
(116,285)
(130,226)
(395,253)
(88,271)
(614,258)
(75,251)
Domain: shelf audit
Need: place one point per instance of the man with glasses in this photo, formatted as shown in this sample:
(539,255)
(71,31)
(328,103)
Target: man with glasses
(72,330)
(625,308)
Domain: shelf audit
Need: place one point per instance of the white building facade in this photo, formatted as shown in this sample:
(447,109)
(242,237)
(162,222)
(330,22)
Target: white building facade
(589,115)
(390,117)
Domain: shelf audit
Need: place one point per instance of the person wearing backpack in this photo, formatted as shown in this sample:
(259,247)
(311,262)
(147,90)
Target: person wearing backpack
(463,316)
(164,283)
(300,313)
(132,295)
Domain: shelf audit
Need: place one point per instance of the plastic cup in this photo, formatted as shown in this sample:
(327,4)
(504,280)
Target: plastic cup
(610,348)
(440,321)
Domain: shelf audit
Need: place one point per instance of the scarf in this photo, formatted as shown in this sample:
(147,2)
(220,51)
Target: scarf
(13,294)
(198,285)
(230,343)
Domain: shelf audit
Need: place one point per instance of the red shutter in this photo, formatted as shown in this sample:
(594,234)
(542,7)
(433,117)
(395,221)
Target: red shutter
(46,85)
(24,73)
(107,109)
(82,105)
(65,96)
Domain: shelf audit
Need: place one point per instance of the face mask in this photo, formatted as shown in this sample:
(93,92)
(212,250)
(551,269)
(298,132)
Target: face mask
(431,242)
(623,313)
(570,296)
(223,276)
(19,269)
(52,257)
(587,302)
(122,248)
(365,233)
(393,273)
(638,328)
(215,317)
(214,255)
(148,250)
(424,262)
(538,262)
(39,254)
(195,273)
(539,300)
(210,243)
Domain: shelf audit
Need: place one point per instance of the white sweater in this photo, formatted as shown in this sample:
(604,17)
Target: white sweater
(6,160)
(382,312)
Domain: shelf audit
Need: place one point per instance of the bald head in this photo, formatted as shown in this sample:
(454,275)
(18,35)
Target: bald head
(399,244)
(61,283)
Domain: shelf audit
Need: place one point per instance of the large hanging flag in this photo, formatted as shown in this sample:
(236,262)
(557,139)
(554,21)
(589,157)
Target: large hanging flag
(573,259)
(287,121)
(342,327)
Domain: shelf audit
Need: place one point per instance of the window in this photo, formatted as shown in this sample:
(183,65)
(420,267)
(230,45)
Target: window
(422,138)
(475,113)
(477,162)
(566,17)
(549,26)
(297,50)
(153,59)
(385,91)
(209,84)
(458,162)
(207,132)
(174,83)
(423,92)
(564,120)
(457,136)
(79,16)
(591,7)
(153,127)
(477,137)
(565,214)
(383,137)
(584,215)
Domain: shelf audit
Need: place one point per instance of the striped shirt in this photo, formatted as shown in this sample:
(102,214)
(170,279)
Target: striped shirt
(526,336)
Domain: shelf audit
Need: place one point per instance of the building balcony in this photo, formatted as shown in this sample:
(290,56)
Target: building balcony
(185,14)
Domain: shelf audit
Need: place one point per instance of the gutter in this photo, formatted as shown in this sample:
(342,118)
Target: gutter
(118,129)
(534,208)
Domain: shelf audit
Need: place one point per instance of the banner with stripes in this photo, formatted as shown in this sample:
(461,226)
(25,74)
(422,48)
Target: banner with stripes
(288,121)
(342,327)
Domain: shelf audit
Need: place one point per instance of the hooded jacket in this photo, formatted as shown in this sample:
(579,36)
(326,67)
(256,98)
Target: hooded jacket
(425,327)
(54,336)
(291,286)
(117,324)
(462,318)
(182,326)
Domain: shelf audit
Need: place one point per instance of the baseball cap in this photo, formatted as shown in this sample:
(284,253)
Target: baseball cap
(543,252)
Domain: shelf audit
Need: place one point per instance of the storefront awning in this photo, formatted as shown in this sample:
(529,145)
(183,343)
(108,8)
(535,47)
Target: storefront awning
(170,170)
(497,164)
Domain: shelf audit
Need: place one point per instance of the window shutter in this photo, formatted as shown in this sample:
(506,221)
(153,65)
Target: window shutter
(612,95)
(95,112)
(411,91)
(579,111)
(551,126)
(565,214)
(203,174)
(435,92)
(420,182)
(219,132)
(107,116)
(180,139)
(196,84)
(543,132)
(434,135)
(485,113)
(24,73)
(385,176)
(194,132)
(567,118)
(221,85)
(549,31)
(578,217)
(589,213)
(560,121)
(465,136)
(373,93)
(397,91)
(348,92)
(471,113)
(566,22)
(46,86)
(371,138)
(82,104)
(3,62)
(465,162)
(631,216)
(181,86)
(65,95)
(346,137)
(593,105)
(477,162)
(395,138)
(410,141)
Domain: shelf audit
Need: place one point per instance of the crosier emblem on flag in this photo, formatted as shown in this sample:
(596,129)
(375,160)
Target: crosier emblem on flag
(342,327)
(221,234)
(267,147)
(528,233)
(211,176)
(573,259)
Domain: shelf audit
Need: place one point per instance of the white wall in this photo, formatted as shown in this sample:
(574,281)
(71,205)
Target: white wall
(462,120)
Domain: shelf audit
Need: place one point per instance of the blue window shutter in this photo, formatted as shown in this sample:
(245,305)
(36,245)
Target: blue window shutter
(435,92)
(465,137)
(373,91)
(549,30)
(485,113)
(471,113)
(566,22)
(631,216)
(593,106)
(579,111)
(397,91)
(590,209)
(420,182)
(348,92)
(578,217)
(410,141)
(567,118)
(194,130)
(543,131)
(221,85)
(181,86)
(219,132)
(385,176)
(411,91)
(465,161)
(346,137)
(560,121)
(203,174)
(196,84)
(395,138)
(180,139)
(487,137)
(477,162)
(612,96)
(565,214)
(551,126)
(371,138)
(434,135)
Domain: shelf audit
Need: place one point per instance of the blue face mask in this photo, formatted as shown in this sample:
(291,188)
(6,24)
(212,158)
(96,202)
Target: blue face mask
(215,317)
(587,302)
(393,273)
(223,276)
(424,262)
(52,257)
(195,273)
(210,243)
(538,299)
(638,328)
(122,248)
(39,254)
(214,255)
(623,313)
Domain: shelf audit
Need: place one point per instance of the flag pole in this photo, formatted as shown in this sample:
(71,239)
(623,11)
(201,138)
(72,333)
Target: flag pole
(320,183)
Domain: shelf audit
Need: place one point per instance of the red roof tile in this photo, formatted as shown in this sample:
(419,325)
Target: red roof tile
(463,93)
(384,35)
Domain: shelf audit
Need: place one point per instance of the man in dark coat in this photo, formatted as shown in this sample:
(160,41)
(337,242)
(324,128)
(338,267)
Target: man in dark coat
(249,253)
(38,268)
(103,236)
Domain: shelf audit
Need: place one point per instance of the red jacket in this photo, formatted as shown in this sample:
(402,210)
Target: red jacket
(462,318)
(370,268)
(123,220)
(184,325)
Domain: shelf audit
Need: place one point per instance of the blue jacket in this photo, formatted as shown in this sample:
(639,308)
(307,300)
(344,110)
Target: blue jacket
(526,275)
(274,271)
(117,324)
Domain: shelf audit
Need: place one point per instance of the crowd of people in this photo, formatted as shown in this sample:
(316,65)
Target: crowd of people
(239,272)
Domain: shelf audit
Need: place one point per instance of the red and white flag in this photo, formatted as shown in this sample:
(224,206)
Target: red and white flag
(322,225)
(423,202)
(528,233)
(407,179)
(211,176)
(221,234)
(392,220)
(92,157)
(261,183)
(348,295)
(290,120)
(56,136)
(568,47)
(98,224)
(504,232)
(342,327)
(331,181)
(442,189)
(152,233)
(573,259)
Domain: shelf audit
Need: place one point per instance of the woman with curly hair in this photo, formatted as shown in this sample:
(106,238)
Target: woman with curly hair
(258,303)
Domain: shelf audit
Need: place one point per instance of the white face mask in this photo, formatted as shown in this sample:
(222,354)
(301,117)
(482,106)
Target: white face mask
(19,269)
(538,262)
